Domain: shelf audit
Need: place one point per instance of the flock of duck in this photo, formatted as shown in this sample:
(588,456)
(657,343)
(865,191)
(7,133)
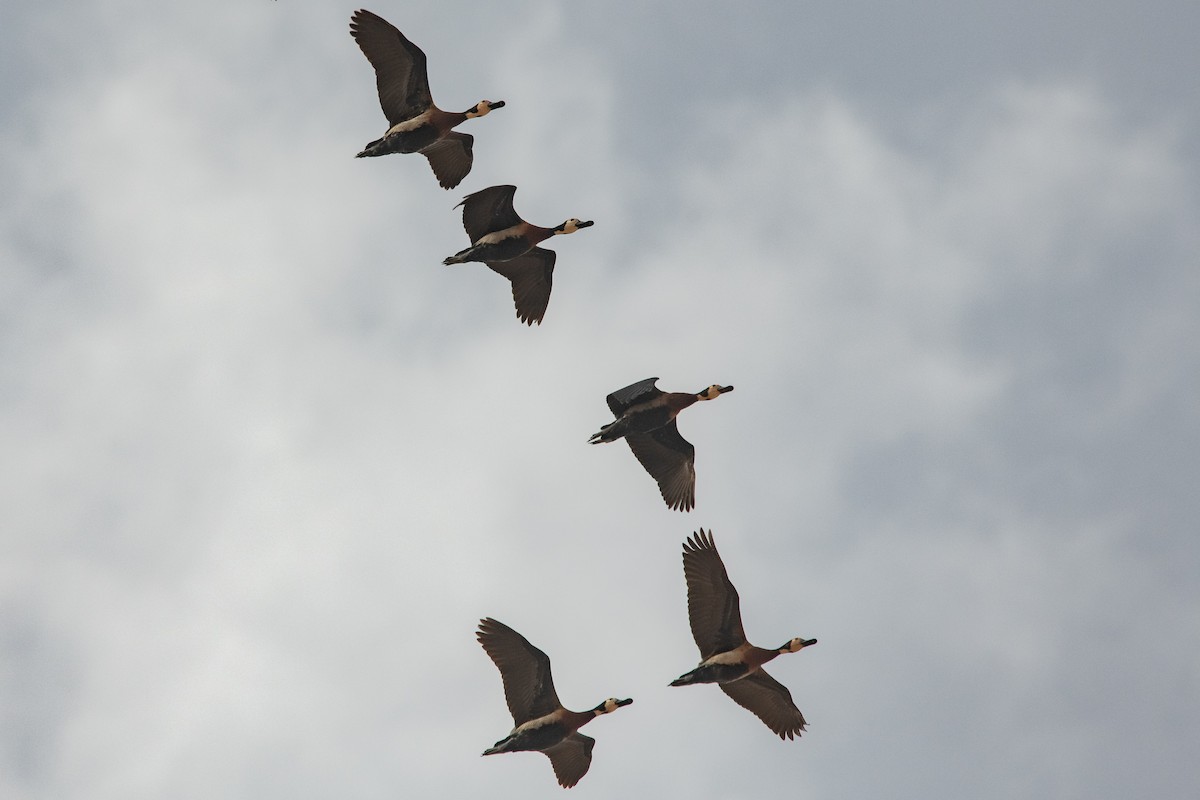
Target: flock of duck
(644,416)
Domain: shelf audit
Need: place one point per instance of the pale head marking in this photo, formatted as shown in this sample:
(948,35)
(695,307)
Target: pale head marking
(711,392)
(610,705)
(798,644)
(482,109)
(571,225)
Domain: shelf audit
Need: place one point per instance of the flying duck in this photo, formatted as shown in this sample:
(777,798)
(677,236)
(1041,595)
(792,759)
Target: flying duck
(541,723)
(646,418)
(726,657)
(416,124)
(507,244)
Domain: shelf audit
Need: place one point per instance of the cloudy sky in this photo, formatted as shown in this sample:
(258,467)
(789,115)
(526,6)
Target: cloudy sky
(266,462)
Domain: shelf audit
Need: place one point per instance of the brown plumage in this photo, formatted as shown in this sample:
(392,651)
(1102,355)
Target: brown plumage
(726,657)
(416,125)
(540,721)
(645,417)
(507,244)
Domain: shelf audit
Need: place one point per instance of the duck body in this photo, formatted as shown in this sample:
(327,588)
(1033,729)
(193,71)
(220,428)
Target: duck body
(645,419)
(507,244)
(533,735)
(543,732)
(726,667)
(649,413)
(727,659)
(541,724)
(414,135)
(416,125)
(502,245)
(732,665)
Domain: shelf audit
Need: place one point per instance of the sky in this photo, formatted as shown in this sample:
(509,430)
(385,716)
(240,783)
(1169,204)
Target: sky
(266,462)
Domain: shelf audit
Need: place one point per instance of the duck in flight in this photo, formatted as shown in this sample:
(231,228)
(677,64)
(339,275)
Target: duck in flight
(645,418)
(727,659)
(508,245)
(416,125)
(540,721)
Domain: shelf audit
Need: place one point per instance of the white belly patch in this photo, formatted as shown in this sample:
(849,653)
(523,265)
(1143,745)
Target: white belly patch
(495,237)
(410,124)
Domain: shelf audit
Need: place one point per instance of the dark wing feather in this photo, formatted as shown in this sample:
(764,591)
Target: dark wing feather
(669,458)
(532,278)
(399,66)
(571,758)
(770,701)
(525,670)
(714,609)
(489,210)
(451,158)
(622,399)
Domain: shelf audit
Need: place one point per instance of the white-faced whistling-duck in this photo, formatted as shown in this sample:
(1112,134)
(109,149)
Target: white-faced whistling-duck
(416,124)
(541,723)
(506,243)
(646,418)
(726,657)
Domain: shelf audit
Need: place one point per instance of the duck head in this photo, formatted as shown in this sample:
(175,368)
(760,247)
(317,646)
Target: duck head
(610,705)
(572,225)
(797,644)
(713,392)
(482,108)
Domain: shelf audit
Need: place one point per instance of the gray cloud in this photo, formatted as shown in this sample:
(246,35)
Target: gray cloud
(267,461)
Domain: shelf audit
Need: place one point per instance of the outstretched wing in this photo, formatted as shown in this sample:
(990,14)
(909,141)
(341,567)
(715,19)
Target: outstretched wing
(451,158)
(622,399)
(532,277)
(525,670)
(770,701)
(669,458)
(399,66)
(714,609)
(571,758)
(489,210)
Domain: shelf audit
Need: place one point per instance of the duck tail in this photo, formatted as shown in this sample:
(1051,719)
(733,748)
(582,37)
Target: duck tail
(685,679)
(499,747)
(372,149)
(607,433)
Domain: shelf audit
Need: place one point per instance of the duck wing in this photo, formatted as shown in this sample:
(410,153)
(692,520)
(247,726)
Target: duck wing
(669,458)
(532,276)
(489,210)
(770,701)
(451,158)
(399,66)
(571,758)
(638,392)
(714,609)
(524,669)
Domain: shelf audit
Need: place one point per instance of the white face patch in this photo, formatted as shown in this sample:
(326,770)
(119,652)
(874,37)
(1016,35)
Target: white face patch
(570,226)
(481,109)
